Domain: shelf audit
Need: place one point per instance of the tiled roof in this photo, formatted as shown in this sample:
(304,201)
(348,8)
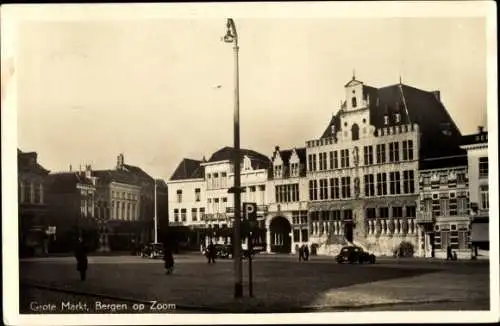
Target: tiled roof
(443,162)
(440,135)
(138,171)
(120,176)
(66,181)
(259,161)
(478,138)
(27,163)
(188,169)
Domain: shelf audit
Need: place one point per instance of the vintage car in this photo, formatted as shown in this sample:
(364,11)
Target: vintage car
(354,254)
(152,250)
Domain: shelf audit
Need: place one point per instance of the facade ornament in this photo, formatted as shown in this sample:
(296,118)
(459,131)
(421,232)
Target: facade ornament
(356,155)
(356,187)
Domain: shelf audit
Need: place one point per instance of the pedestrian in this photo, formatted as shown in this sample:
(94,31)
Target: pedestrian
(168,258)
(301,253)
(211,253)
(306,252)
(81,258)
(448,253)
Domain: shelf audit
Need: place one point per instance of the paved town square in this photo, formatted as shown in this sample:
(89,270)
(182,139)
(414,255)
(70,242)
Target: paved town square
(281,284)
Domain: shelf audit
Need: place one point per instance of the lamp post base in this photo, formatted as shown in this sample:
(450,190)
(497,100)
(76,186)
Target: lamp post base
(238,290)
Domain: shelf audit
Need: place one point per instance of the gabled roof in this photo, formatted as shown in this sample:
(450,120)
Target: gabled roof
(120,176)
(286,154)
(138,171)
(259,161)
(188,169)
(27,163)
(440,135)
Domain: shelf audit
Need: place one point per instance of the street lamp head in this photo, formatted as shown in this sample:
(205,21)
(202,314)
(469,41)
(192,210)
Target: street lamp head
(229,38)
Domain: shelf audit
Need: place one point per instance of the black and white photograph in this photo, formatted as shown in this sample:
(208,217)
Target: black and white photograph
(288,162)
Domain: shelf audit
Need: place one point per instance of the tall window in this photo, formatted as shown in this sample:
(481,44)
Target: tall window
(444,206)
(485,202)
(407,150)
(394,183)
(369,185)
(368,151)
(309,162)
(394,152)
(483,167)
(216,180)
(179,196)
(335,160)
(331,160)
(322,162)
(381,184)
(323,189)
(462,208)
(344,158)
(463,238)
(197,193)
(445,237)
(194,216)
(397,211)
(313,189)
(355,132)
(183,215)
(411,211)
(408,182)
(346,187)
(37,192)
(176,215)
(380,153)
(294,169)
(334,188)
(353,102)
(202,213)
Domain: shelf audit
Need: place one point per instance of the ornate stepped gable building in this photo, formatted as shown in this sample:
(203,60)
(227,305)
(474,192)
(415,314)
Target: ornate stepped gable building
(363,171)
(32,214)
(286,221)
(444,207)
(476,146)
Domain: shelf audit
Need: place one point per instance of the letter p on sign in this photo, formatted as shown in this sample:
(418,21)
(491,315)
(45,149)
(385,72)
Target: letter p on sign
(250,211)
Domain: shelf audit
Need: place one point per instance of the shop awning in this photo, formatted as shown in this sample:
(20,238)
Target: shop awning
(480,232)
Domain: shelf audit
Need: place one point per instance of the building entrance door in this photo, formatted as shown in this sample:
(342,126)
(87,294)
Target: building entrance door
(348,230)
(280,229)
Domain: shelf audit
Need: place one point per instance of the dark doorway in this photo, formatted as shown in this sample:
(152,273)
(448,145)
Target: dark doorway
(280,229)
(348,230)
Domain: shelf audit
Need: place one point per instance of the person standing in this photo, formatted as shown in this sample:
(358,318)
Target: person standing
(81,258)
(211,253)
(168,258)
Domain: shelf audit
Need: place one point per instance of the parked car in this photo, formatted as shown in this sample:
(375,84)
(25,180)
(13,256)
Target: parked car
(226,251)
(353,254)
(152,250)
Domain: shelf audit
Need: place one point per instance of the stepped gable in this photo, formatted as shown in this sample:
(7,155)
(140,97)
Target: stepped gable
(188,169)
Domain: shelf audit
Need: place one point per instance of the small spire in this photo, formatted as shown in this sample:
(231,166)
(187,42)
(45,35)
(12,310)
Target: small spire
(400,80)
(353,74)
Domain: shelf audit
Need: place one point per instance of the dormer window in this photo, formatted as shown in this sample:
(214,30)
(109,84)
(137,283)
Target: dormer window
(333,130)
(277,171)
(354,103)
(398,117)
(294,169)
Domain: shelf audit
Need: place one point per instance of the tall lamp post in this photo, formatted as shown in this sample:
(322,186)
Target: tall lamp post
(232,37)
(155,216)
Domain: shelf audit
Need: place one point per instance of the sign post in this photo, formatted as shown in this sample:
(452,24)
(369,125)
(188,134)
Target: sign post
(250,216)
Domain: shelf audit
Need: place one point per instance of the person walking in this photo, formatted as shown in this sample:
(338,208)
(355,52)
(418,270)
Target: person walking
(306,252)
(448,253)
(168,258)
(301,253)
(81,258)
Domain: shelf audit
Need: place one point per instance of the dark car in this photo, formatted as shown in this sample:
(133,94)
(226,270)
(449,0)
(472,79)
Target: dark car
(152,250)
(353,254)
(226,251)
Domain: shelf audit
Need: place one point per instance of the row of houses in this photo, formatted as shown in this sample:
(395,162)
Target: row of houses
(112,209)
(391,167)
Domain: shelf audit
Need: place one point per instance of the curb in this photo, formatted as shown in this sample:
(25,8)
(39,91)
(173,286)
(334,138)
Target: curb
(207,309)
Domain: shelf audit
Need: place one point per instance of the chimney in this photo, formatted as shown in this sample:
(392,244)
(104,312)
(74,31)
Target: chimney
(437,95)
(277,148)
(70,168)
(480,129)
(119,161)
(88,171)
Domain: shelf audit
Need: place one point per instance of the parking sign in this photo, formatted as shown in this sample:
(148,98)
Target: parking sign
(250,211)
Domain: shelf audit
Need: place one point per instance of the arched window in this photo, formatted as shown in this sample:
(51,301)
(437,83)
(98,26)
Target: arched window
(355,132)
(354,103)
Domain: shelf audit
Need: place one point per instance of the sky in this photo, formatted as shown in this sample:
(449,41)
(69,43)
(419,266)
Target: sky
(159,90)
